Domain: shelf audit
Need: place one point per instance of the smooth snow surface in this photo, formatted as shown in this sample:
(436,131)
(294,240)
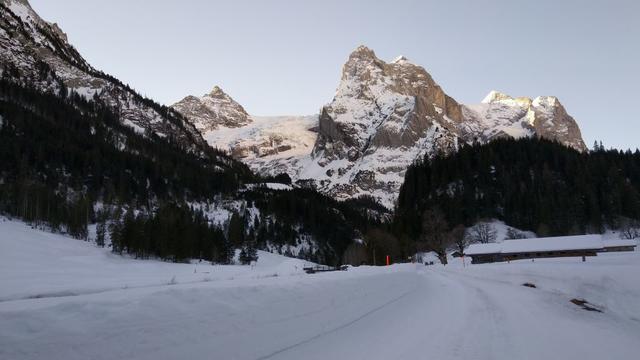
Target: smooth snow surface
(398,312)
(37,264)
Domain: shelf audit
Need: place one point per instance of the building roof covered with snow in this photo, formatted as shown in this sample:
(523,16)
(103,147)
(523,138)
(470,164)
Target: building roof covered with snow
(559,243)
(561,246)
(481,249)
(619,243)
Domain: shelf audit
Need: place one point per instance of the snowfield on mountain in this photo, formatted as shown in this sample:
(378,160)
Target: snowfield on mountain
(62,298)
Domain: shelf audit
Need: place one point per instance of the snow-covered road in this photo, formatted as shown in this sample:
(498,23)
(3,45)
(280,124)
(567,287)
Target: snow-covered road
(397,312)
(450,315)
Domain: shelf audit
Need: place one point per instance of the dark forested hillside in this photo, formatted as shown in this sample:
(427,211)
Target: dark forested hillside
(62,154)
(532,184)
(68,162)
(47,140)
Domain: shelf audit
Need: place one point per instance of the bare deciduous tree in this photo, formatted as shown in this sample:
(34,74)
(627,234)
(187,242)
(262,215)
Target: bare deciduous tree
(459,238)
(483,233)
(435,235)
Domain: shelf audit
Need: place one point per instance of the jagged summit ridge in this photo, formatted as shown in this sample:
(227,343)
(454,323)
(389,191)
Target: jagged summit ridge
(400,60)
(502,115)
(495,96)
(212,110)
(217,92)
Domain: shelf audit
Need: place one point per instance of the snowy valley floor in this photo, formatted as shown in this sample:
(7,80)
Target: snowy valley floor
(66,299)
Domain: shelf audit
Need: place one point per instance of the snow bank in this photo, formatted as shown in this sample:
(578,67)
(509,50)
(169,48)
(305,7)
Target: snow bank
(37,264)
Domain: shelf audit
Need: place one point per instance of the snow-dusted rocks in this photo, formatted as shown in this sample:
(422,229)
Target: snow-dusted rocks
(31,46)
(502,115)
(383,117)
(213,110)
(270,145)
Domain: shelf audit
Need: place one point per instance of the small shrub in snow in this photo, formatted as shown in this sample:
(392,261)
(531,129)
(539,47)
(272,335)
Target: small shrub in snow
(629,229)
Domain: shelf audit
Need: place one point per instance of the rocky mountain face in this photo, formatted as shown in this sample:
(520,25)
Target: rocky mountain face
(270,145)
(30,47)
(383,117)
(502,115)
(212,111)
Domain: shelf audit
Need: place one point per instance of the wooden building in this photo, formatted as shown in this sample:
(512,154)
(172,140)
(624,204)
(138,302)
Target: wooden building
(619,245)
(562,246)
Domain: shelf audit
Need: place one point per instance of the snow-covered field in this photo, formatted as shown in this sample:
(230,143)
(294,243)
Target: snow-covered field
(66,299)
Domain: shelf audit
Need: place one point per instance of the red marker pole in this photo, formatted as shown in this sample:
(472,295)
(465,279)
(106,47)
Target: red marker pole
(387,260)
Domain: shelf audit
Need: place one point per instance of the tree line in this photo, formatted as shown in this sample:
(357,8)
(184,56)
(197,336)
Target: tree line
(531,184)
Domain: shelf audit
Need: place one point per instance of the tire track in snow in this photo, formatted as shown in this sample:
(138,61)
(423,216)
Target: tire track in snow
(343,326)
(481,335)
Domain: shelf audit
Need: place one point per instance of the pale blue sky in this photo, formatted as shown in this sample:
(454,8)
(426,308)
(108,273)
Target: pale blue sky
(285,56)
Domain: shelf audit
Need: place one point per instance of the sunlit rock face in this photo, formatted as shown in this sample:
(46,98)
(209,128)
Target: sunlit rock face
(383,117)
(502,115)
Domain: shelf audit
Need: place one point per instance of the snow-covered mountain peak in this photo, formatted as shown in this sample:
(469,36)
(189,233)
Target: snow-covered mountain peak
(502,115)
(217,92)
(362,63)
(494,96)
(546,101)
(213,110)
(400,60)
(363,51)
(21,8)
(25,12)
(20,2)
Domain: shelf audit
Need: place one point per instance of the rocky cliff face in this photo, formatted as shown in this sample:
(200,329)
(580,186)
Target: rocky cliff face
(30,46)
(383,117)
(502,115)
